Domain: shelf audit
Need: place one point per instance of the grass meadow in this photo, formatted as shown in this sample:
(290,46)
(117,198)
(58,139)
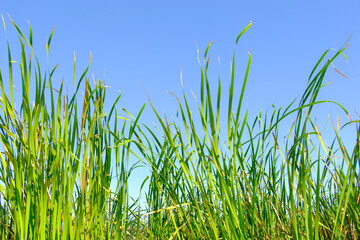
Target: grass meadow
(65,161)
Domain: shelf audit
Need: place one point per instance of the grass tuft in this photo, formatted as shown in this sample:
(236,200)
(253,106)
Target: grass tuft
(65,164)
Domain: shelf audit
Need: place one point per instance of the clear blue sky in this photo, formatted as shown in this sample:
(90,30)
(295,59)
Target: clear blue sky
(135,43)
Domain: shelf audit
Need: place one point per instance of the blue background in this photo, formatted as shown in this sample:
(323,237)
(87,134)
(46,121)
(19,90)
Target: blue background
(135,43)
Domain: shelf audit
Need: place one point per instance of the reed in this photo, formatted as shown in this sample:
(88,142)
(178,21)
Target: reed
(65,163)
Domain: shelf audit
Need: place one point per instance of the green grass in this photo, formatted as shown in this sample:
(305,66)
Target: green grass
(66,163)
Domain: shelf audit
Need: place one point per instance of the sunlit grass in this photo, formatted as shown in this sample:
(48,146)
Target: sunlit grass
(63,154)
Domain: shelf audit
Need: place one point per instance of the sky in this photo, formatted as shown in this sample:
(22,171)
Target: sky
(139,45)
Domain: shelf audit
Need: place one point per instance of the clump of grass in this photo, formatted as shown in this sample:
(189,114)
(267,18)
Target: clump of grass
(61,155)
(58,158)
